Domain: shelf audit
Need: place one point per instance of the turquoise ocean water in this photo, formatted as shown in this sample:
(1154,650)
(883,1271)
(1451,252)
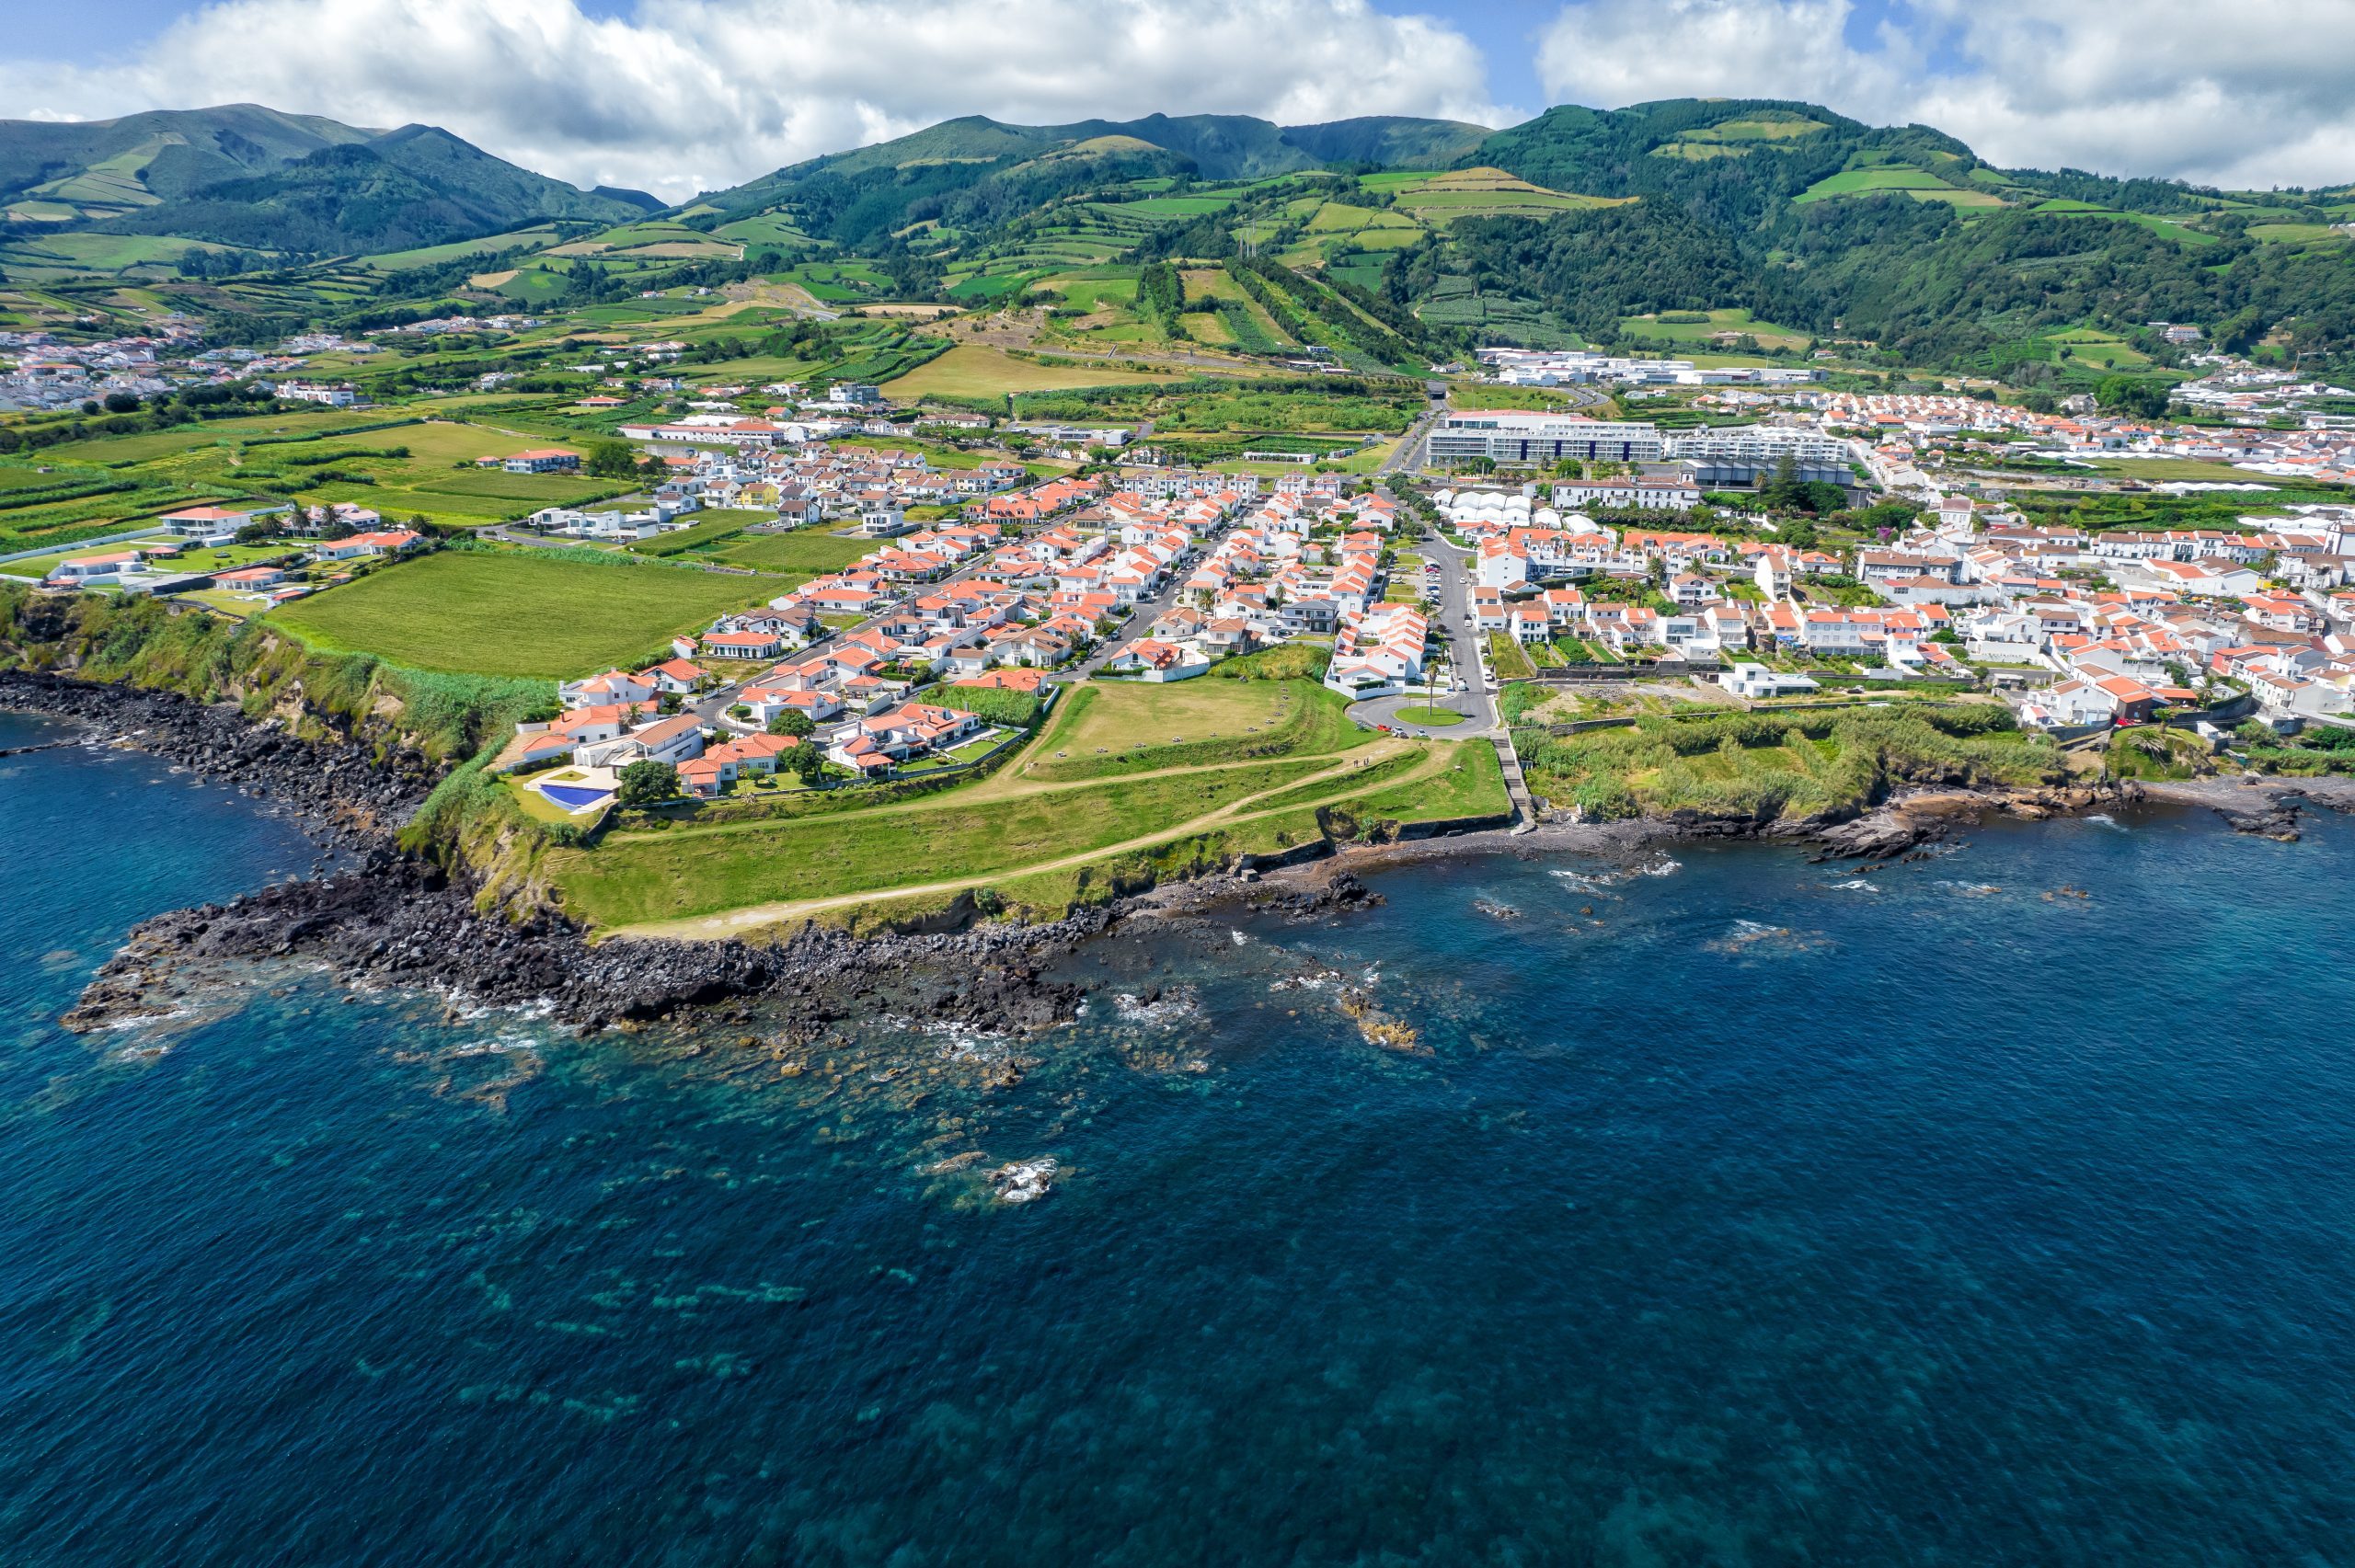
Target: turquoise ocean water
(1733,1210)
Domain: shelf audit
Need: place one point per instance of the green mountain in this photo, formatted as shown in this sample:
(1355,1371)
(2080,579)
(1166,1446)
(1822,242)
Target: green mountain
(1900,236)
(253,178)
(72,171)
(976,171)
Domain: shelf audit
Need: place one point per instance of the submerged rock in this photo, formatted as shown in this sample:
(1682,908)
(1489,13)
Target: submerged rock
(1024,1181)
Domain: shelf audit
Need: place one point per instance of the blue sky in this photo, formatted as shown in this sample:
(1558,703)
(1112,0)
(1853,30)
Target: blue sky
(1505,30)
(676,96)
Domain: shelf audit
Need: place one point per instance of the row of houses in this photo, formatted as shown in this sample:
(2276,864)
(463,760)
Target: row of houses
(861,724)
(153,565)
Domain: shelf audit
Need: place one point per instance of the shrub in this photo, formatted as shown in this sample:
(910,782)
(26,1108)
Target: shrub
(648,783)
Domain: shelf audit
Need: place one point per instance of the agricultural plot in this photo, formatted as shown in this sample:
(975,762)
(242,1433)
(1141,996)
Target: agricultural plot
(768,228)
(47,258)
(1675,326)
(804,552)
(2166,228)
(434,255)
(1858,182)
(1439,199)
(973,370)
(668,242)
(1460,302)
(1738,138)
(116,451)
(481,612)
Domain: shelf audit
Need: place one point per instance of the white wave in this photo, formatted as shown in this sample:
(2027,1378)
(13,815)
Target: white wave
(1856,885)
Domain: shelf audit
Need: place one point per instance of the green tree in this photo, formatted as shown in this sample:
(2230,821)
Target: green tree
(2135,396)
(793,722)
(612,460)
(647,782)
(810,765)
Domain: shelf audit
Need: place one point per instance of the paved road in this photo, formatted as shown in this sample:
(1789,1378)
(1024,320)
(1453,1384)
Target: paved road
(1147,610)
(713,707)
(1454,597)
(1410,447)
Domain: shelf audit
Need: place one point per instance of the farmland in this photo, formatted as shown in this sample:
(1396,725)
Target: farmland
(1678,328)
(476,612)
(973,370)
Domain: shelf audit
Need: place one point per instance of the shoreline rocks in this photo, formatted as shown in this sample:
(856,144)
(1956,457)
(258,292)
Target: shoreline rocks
(345,792)
(2276,818)
(397,918)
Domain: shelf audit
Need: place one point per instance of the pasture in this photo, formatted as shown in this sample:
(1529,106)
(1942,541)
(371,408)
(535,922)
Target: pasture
(477,613)
(974,370)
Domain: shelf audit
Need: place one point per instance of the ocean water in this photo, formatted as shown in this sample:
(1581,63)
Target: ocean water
(1725,1210)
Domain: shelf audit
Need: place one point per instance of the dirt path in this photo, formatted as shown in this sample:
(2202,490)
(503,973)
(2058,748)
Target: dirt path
(735,922)
(988,791)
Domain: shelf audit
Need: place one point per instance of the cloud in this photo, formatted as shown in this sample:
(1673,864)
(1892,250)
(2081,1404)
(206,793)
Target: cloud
(2249,95)
(688,95)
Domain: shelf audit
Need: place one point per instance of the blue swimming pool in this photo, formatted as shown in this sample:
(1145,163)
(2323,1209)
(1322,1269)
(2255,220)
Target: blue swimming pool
(575,797)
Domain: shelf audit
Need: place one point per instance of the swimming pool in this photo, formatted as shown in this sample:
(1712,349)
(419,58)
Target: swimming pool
(575,797)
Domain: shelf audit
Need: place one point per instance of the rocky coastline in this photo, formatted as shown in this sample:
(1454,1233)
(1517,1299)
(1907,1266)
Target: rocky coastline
(386,916)
(394,918)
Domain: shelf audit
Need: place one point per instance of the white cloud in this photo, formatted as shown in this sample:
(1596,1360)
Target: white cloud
(2251,94)
(687,95)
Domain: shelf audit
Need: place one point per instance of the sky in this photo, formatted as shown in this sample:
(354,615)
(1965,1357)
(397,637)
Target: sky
(679,96)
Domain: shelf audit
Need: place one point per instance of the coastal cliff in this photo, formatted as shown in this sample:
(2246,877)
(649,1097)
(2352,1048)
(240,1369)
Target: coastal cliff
(440,890)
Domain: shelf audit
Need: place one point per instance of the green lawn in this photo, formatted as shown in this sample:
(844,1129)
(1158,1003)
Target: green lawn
(1440,718)
(1507,659)
(632,877)
(809,551)
(708,528)
(1122,727)
(482,613)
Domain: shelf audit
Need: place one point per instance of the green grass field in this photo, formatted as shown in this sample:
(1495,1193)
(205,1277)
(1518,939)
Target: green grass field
(1769,336)
(1177,787)
(973,369)
(2161,470)
(149,444)
(1115,727)
(1855,182)
(480,613)
(632,877)
(805,551)
(711,527)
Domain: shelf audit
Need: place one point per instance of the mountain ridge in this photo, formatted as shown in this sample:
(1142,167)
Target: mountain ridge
(248,175)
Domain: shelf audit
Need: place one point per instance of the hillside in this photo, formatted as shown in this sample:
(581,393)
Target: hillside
(1395,242)
(66,171)
(254,177)
(978,170)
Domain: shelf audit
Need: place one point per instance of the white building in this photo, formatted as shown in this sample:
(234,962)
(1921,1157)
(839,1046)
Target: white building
(1516,436)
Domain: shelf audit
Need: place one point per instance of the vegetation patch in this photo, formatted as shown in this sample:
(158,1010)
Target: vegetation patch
(486,613)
